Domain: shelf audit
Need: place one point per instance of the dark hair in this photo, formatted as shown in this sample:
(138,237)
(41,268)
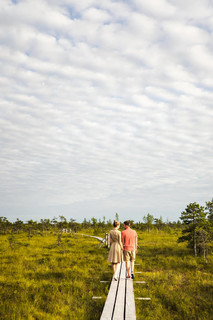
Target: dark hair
(127,223)
(116,223)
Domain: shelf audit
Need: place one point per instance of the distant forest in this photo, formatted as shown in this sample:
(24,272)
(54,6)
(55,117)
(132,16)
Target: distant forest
(196,225)
(61,224)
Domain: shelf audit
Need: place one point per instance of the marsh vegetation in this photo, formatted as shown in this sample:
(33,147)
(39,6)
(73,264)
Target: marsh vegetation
(44,278)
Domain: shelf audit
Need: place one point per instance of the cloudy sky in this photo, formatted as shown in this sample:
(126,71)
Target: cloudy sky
(105,107)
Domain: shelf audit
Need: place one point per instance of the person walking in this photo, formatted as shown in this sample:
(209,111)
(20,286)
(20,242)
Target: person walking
(115,253)
(129,240)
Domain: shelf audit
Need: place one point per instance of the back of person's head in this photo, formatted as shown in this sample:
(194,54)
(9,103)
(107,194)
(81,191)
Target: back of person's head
(127,223)
(116,223)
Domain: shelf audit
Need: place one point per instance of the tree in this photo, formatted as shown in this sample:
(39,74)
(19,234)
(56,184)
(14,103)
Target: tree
(209,210)
(159,223)
(94,222)
(95,225)
(62,223)
(86,224)
(109,223)
(45,225)
(148,220)
(18,225)
(4,225)
(31,227)
(54,222)
(74,225)
(203,238)
(194,219)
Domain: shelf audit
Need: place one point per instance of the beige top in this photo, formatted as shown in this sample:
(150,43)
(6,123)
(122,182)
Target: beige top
(115,236)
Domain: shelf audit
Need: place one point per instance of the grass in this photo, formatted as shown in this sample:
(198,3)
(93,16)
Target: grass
(180,286)
(42,278)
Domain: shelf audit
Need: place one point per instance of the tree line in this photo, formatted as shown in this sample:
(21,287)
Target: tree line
(196,224)
(97,225)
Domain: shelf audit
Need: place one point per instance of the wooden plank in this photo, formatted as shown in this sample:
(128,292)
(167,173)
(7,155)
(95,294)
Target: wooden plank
(130,301)
(120,302)
(109,304)
(87,235)
(120,299)
(123,271)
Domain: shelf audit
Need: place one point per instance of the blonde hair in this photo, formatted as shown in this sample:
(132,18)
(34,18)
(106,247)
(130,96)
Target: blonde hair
(116,223)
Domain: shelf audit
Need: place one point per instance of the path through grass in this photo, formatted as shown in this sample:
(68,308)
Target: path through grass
(42,280)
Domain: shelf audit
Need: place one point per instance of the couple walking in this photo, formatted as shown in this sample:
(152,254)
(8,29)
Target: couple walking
(123,245)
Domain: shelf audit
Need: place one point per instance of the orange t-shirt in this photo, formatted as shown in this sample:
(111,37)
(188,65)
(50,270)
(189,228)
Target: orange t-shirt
(129,239)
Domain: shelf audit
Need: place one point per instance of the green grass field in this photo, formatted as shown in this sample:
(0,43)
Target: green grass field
(42,278)
(180,286)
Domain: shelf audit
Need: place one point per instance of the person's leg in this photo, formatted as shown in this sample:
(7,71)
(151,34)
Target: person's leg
(126,259)
(132,269)
(132,259)
(117,268)
(127,268)
(132,266)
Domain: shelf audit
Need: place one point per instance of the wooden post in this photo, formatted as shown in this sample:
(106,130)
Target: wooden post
(107,240)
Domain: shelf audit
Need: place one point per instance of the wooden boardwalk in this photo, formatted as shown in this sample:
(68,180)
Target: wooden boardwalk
(102,240)
(120,302)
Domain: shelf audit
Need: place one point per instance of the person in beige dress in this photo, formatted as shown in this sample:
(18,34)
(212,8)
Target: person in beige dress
(115,253)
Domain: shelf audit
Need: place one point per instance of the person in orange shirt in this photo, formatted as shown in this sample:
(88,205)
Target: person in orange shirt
(129,240)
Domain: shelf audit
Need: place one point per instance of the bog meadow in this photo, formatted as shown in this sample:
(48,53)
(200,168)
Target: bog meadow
(50,270)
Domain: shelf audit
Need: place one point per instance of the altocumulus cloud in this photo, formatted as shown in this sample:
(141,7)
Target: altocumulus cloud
(106,106)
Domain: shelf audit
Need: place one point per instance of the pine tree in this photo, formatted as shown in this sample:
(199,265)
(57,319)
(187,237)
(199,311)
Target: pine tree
(194,219)
(209,209)
(148,220)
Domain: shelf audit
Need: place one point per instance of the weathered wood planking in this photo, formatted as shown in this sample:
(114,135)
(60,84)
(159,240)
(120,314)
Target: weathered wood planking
(87,235)
(110,301)
(120,299)
(130,301)
(120,302)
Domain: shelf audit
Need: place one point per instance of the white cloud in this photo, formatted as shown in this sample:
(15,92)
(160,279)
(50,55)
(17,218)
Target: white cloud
(158,9)
(104,102)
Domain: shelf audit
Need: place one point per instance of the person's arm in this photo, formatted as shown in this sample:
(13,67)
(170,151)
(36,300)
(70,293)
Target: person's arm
(110,240)
(136,242)
(122,239)
(119,239)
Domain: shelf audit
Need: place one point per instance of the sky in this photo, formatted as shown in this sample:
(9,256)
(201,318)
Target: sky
(105,107)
